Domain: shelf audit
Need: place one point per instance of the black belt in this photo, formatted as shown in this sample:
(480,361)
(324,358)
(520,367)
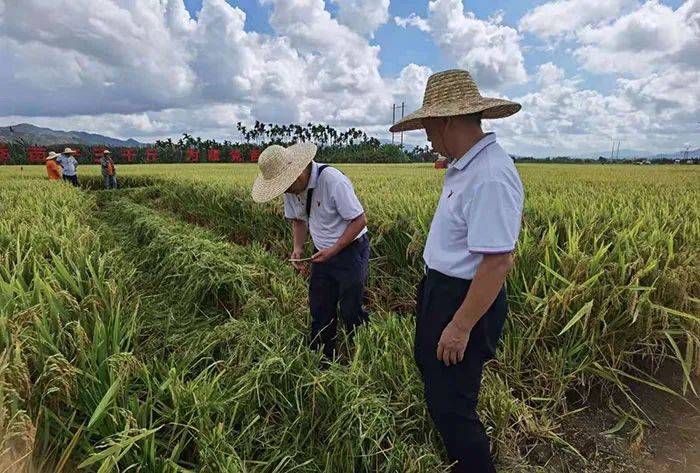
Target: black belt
(356,241)
(432,272)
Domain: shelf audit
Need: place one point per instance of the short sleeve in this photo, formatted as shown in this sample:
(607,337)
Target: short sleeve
(493,218)
(346,202)
(291,208)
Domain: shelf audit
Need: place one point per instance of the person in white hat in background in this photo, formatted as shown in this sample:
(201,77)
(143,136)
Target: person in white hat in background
(109,172)
(461,301)
(69,165)
(320,200)
(53,170)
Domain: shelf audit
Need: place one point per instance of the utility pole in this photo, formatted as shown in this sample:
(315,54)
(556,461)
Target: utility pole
(618,149)
(394,109)
(403,108)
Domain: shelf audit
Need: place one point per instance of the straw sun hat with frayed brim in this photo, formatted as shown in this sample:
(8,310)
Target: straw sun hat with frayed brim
(279,168)
(452,93)
(52,155)
(69,151)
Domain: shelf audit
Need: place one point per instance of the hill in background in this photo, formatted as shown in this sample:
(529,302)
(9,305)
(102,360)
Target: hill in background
(34,135)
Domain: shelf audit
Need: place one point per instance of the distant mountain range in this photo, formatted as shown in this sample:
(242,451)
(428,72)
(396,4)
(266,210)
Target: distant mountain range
(34,135)
(631,154)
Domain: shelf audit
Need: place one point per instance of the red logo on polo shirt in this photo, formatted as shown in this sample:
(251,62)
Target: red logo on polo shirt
(450,194)
(318,203)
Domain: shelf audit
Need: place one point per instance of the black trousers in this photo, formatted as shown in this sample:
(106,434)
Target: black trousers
(72,179)
(338,283)
(451,393)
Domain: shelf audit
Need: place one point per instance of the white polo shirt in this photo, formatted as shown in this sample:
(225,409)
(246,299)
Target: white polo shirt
(480,211)
(334,206)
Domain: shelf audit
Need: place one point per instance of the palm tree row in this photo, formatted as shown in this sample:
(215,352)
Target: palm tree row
(322,135)
(263,134)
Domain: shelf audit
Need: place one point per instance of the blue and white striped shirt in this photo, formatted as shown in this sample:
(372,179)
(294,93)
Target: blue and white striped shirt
(68,163)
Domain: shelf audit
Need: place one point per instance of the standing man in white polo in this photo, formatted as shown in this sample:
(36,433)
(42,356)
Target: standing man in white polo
(69,165)
(461,301)
(320,200)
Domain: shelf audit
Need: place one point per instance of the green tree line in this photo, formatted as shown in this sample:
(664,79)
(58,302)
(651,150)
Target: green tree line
(335,146)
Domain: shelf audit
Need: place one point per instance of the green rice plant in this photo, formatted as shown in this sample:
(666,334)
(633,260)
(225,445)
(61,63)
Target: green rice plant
(160,328)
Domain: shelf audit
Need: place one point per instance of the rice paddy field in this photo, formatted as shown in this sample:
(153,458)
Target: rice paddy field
(158,328)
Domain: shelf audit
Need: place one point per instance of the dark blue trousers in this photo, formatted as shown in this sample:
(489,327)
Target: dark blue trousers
(338,283)
(72,179)
(451,393)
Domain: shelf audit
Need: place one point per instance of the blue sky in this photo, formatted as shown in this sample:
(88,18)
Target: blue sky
(402,46)
(585,72)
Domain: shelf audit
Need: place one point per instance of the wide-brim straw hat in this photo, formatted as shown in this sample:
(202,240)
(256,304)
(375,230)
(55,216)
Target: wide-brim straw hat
(106,152)
(279,168)
(452,93)
(69,151)
(52,155)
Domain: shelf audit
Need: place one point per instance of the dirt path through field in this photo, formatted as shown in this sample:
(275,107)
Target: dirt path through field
(675,442)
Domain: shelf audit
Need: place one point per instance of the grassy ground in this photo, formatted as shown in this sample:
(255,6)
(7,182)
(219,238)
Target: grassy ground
(159,327)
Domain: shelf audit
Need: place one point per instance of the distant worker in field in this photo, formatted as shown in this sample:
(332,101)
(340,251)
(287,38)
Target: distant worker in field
(69,166)
(461,300)
(109,172)
(52,168)
(321,200)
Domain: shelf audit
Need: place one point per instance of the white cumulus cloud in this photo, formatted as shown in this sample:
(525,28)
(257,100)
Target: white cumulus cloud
(566,116)
(549,73)
(651,54)
(363,16)
(413,20)
(490,50)
(650,37)
(105,57)
(565,17)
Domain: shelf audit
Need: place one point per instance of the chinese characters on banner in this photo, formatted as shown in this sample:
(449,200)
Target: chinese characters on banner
(192,155)
(236,156)
(151,155)
(128,155)
(36,154)
(4,155)
(213,155)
